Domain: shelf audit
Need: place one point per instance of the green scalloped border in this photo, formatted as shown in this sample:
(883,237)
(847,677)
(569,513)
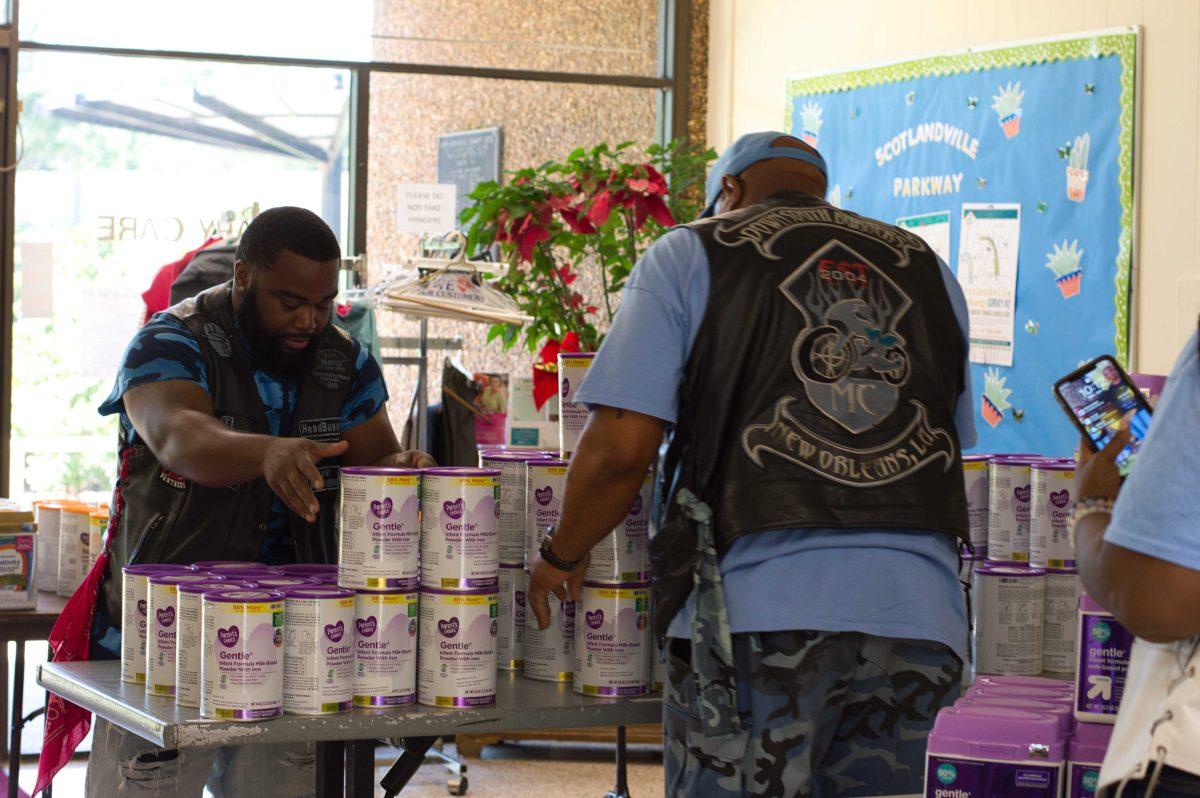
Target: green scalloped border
(1122,45)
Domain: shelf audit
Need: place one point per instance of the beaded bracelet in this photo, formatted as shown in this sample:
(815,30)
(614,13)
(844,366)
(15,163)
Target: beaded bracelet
(1084,508)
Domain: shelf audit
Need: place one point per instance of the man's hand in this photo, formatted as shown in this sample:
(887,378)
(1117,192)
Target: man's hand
(290,468)
(413,458)
(545,579)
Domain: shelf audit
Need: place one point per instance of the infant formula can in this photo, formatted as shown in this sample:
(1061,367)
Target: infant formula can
(612,640)
(1084,757)
(1060,620)
(1009,497)
(318,649)
(162,628)
(385,648)
(457,665)
(510,636)
(975,471)
(1104,646)
(241,677)
(459,547)
(510,526)
(623,555)
(550,653)
(134,600)
(205,565)
(309,569)
(97,526)
(189,618)
(282,582)
(573,416)
(73,547)
(1009,602)
(1053,486)
(994,752)
(48,515)
(380,528)
(545,490)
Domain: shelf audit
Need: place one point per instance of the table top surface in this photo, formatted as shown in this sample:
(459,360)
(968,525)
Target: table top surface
(32,624)
(520,704)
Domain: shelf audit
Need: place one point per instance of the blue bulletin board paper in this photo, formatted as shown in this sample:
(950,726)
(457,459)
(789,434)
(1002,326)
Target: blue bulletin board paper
(1048,125)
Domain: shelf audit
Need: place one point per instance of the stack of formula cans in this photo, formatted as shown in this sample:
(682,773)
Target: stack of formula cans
(1021,564)
(1011,736)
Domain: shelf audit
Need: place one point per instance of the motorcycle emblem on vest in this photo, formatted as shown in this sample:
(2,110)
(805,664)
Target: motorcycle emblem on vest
(851,360)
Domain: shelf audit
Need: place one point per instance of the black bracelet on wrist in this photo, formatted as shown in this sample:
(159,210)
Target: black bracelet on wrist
(549,556)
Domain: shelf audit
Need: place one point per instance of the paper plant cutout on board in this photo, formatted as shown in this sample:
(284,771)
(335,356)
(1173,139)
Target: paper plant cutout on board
(1007,106)
(1077,168)
(1064,262)
(995,398)
(811,120)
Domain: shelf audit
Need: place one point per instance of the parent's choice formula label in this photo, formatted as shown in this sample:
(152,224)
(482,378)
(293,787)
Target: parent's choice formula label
(380,527)
(460,509)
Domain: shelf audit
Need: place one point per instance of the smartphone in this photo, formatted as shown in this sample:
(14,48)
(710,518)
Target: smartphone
(1097,396)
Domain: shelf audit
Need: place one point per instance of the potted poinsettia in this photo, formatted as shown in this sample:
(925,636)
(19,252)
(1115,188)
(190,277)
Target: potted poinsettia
(598,210)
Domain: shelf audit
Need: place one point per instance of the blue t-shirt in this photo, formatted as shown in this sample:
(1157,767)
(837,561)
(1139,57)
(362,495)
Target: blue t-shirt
(1156,511)
(888,582)
(164,349)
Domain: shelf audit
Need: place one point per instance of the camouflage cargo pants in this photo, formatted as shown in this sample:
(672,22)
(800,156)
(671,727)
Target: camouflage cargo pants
(828,714)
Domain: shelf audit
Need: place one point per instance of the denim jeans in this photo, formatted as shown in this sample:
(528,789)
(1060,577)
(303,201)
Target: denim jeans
(123,764)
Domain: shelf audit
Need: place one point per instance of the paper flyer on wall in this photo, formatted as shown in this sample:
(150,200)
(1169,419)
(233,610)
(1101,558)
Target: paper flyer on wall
(934,230)
(989,237)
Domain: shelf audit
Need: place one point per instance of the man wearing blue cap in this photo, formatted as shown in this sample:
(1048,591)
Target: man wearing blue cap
(810,365)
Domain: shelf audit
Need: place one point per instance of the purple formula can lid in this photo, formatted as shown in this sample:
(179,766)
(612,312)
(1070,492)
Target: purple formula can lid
(513,457)
(513,566)
(1089,604)
(576,355)
(979,554)
(439,591)
(308,568)
(1015,460)
(977,458)
(235,596)
(1062,571)
(618,585)
(327,579)
(1043,682)
(206,564)
(381,471)
(277,582)
(317,592)
(995,733)
(992,568)
(177,577)
(1054,465)
(550,463)
(145,569)
(1052,696)
(212,584)
(1090,742)
(409,586)
(245,573)
(459,471)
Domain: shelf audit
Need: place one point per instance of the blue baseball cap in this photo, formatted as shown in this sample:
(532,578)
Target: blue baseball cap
(747,151)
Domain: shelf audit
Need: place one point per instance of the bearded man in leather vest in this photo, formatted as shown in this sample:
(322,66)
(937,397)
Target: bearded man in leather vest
(809,365)
(237,408)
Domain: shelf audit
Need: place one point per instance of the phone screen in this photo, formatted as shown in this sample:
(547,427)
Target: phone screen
(1100,398)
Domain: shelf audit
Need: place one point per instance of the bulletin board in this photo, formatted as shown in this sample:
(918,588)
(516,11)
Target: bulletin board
(1015,164)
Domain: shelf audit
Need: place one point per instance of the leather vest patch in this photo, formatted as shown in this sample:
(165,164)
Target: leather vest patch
(331,369)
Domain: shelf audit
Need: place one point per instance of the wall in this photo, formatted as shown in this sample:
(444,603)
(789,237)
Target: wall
(754,45)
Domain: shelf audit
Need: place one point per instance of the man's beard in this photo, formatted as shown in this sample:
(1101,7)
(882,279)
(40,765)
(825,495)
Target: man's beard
(267,350)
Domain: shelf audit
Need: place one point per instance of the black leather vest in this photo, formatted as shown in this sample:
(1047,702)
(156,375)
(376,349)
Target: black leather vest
(168,518)
(820,390)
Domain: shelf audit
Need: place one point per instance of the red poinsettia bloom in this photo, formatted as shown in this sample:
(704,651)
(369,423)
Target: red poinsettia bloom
(545,370)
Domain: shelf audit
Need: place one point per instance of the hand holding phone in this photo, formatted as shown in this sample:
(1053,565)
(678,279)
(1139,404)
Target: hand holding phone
(1098,397)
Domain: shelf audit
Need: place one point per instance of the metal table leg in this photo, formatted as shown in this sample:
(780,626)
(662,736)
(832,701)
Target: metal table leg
(18,720)
(4,695)
(407,765)
(621,790)
(360,769)
(331,769)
